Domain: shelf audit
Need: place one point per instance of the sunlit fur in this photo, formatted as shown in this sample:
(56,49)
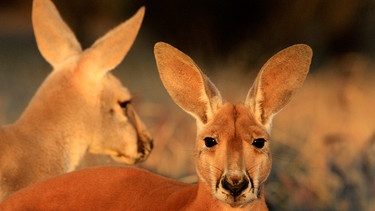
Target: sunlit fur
(79,106)
(232,166)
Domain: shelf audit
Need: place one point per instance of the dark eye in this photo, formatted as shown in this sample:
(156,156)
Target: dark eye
(259,143)
(209,142)
(124,104)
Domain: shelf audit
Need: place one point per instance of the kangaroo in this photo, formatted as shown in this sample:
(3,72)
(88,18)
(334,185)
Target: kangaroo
(79,107)
(232,148)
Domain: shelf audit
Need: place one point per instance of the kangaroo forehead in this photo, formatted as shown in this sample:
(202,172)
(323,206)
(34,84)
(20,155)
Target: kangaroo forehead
(233,113)
(236,120)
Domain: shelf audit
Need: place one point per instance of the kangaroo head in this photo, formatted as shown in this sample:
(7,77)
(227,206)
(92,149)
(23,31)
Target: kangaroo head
(122,133)
(232,149)
(82,94)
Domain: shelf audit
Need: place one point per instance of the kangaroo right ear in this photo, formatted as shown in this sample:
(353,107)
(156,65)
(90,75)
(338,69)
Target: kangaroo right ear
(109,50)
(277,82)
(185,83)
(55,40)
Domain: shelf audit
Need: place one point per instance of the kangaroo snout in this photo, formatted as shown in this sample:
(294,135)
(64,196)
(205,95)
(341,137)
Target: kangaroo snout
(145,147)
(235,184)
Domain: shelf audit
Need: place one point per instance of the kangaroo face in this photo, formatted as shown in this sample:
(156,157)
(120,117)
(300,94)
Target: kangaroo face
(234,158)
(122,135)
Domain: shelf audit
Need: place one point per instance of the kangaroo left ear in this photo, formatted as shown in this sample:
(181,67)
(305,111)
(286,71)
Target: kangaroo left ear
(55,40)
(277,82)
(186,84)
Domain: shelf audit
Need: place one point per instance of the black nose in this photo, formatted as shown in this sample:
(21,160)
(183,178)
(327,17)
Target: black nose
(235,188)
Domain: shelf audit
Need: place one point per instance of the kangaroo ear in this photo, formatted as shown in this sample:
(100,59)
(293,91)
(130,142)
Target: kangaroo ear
(108,51)
(55,40)
(185,83)
(277,82)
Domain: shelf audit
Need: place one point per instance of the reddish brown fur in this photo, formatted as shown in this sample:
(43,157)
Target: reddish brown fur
(231,172)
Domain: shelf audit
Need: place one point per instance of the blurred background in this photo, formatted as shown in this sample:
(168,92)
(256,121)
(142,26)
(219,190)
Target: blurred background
(323,142)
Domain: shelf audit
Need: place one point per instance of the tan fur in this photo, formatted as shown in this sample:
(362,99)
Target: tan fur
(231,173)
(77,108)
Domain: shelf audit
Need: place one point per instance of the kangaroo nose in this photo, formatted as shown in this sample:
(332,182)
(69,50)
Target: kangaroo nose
(235,186)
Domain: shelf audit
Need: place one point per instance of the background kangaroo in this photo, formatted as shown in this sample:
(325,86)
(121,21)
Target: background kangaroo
(232,152)
(80,106)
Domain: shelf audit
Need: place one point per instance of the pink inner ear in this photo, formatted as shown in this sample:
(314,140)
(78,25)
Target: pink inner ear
(277,90)
(184,81)
(279,79)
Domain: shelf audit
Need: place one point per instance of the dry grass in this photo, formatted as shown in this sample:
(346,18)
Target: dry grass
(325,141)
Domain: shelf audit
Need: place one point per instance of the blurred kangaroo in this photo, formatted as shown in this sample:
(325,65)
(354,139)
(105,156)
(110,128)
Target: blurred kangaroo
(80,106)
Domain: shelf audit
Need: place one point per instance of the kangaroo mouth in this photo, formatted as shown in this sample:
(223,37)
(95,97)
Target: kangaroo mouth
(127,159)
(237,195)
(123,158)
